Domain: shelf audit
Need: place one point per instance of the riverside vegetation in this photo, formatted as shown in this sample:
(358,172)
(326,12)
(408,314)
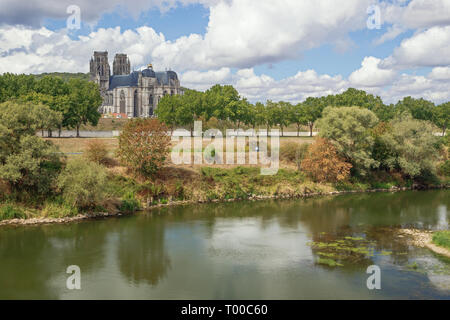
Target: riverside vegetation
(356,150)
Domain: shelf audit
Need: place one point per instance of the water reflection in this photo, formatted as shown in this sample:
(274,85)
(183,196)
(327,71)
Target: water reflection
(237,250)
(141,251)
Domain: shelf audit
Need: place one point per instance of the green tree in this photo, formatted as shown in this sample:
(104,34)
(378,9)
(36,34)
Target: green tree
(84,102)
(298,116)
(349,129)
(313,108)
(441,116)
(412,145)
(420,109)
(27,162)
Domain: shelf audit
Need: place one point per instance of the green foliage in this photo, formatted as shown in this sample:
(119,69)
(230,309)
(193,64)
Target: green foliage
(412,146)
(75,98)
(129,203)
(66,76)
(82,184)
(348,128)
(442,238)
(57,208)
(445,168)
(441,116)
(8,211)
(27,162)
(420,109)
(84,101)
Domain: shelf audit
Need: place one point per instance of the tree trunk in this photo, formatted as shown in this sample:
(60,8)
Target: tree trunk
(50,135)
(298,130)
(311,129)
(78,130)
(59,132)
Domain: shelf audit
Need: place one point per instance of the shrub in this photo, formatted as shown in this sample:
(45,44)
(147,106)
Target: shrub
(58,209)
(444,168)
(324,164)
(144,146)
(349,129)
(82,184)
(412,146)
(294,152)
(442,238)
(129,203)
(96,151)
(11,212)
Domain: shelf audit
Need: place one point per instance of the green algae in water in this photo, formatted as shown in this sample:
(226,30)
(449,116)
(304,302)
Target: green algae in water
(329,262)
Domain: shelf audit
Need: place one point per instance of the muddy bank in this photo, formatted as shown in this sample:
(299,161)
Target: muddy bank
(423,239)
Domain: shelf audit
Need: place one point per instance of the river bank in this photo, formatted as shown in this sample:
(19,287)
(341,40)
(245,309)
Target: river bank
(420,238)
(424,239)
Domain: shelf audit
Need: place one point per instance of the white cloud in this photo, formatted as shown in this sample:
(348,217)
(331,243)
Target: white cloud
(203,80)
(370,75)
(416,14)
(25,50)
(33,12)
(440,73)
(430,48)
(246,33)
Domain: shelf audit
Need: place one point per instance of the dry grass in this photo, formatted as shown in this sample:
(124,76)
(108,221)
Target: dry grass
(72,146)
(77,145)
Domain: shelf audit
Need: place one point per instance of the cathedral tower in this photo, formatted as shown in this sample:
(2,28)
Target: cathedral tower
(121,64)
(100,70)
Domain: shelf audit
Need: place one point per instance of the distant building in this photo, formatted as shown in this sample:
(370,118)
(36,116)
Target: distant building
(130,94)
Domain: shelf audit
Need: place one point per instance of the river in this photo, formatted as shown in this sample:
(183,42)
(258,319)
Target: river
(240,250)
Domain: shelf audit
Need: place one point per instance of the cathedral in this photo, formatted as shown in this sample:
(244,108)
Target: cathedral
(130,94)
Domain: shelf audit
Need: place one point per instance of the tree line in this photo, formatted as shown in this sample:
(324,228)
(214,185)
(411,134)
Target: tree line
(76,99)
(223,103)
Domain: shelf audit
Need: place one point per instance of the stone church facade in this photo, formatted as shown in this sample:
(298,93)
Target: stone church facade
(130,94)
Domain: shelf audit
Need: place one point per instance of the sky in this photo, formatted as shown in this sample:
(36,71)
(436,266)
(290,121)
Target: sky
(267,49)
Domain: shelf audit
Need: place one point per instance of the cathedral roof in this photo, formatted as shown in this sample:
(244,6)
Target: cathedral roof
(131,80)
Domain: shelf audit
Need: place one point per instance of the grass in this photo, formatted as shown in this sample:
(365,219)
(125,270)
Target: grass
(442,238)
(11,211)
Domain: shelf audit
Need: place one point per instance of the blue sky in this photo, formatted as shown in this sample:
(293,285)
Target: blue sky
(287,49)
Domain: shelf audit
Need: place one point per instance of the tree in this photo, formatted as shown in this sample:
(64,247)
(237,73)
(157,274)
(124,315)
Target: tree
(412,146)
(217,101)
(280,114)
(27,162)
(348,128)
(313,108)
(298,116)
(84,102)
(259,115)
(144,146)
(441,116)
(324,164)
(420,109)
(166,110)
(354,97)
